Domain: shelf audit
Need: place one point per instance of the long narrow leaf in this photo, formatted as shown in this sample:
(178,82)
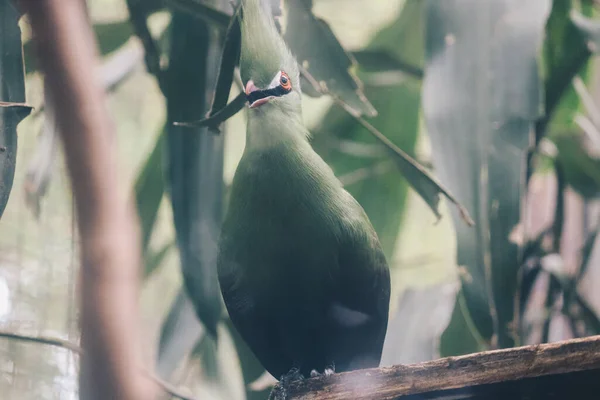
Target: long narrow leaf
(481,99)
(195,168)
(149,190)
(180,333)
(317,49)
(12,94)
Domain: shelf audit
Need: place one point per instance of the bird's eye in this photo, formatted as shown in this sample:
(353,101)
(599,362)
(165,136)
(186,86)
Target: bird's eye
(285,82)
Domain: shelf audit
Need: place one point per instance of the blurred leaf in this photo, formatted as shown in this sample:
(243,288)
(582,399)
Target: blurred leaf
(582,171)
(590,28)
(180,333)
(252,369)
(264,382)
(374,181)
(565,54)
(109,36)
(383,61)
(587,101)
(12,95)
(41,164)
(421,180)
(461,335)
(195,162)
(154,259)
(481,98)
(114,70)
(200,9)
(229,60)
(586,253)
(215,372)
(414,331)
(317,49)
(149,190)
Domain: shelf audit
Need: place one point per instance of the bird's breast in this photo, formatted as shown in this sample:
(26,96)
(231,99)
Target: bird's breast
(281,227)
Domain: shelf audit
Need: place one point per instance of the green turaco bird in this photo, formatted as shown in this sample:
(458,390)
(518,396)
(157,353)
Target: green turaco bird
(301,269)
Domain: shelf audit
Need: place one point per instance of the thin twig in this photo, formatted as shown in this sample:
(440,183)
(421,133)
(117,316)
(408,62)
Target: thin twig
(8,104)
(47,340)
(586,253)
(559,209)
(65,344)
(137,17)
(229,60)
(554,286)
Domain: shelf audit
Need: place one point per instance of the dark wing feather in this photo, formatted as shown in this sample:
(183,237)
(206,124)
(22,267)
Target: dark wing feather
(360,301)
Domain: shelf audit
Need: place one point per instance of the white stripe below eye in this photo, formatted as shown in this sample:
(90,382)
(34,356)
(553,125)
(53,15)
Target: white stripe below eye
(275,82)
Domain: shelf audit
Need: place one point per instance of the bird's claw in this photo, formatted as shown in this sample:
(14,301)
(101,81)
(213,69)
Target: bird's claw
(280,390)
(328,371)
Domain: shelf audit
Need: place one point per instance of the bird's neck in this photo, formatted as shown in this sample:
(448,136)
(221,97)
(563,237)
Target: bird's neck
(271,128)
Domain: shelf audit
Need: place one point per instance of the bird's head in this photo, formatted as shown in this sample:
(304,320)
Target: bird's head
(269,70)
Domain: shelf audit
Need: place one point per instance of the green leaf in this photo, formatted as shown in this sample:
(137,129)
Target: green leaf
(195,162)
(481,99)
(317,49)
(461,336)
(421,180)
(12,95)
(374,181)
(179,334)
(565,55)
(590,28)
(357,157)
(109,36)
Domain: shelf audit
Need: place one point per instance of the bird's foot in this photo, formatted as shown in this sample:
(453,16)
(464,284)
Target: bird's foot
(329,370)
(280,391)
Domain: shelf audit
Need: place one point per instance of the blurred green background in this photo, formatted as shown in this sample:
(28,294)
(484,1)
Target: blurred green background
(490,71)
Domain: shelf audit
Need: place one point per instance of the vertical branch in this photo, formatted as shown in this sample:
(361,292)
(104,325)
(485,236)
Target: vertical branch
(554,286)
(110,247)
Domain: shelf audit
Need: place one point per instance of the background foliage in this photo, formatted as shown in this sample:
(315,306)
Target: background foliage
(497,99)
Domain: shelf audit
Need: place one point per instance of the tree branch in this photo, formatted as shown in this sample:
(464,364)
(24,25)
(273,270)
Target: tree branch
(110,248)
(562,366)
(65,344)
(51,341)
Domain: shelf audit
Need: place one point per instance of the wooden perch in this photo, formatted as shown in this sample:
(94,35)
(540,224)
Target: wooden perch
(562,370)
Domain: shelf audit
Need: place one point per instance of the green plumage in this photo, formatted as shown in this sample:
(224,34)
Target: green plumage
(301,269)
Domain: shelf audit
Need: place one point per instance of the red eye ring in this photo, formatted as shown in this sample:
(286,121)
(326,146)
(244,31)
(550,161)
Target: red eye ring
(285,81)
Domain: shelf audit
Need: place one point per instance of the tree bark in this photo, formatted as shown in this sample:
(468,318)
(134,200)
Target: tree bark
(570,368)
(110,250)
